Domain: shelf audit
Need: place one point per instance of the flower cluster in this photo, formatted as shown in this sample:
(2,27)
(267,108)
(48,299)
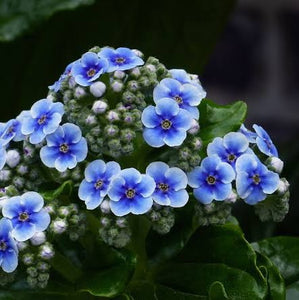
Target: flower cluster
(88,157)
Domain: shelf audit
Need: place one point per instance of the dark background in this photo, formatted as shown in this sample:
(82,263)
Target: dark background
(242,50)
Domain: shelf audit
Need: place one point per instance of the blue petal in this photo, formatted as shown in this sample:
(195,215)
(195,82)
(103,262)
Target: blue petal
(246,163)
(174,137)
(23,231)
(2,157)
(131,177)
(93,202)
(190,94)
(63,162)
(107,53)
(178,198)
(32,201)
(5,225)
(167,88)
(210,164)
(87,190)
(196,177)
(203,194)
(112,169)
(40,108)
(157,170)
(89,59)
(56,138)
(161,198)
(183,120)
(28,125)
(95,170)
(251,136)
(79,150)
(217,148)
(9,261)
(167,108)
(150,118)
(37,136)
(153,136)
(72,133)
(11,208)
(49,155)
(121,207)
(222,191)
(243,184)
(41,220)
(57,107)
(255,196)
(52,123)
(180,75)
(176,178)
(117,188)
(192,110)
(235,142)
(141,205)
(269,183)
(225,172)
(146,186)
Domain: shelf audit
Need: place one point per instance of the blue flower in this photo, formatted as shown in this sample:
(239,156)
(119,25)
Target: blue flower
(165,124)
(251,136)
(11,131)
(26,214)
(171,184)
(95,186)
(8,247)
(65,148)
(230,147)
(264,141)
(186,95)
(131,192)
(212,180)
(254,181)
(2,155)
(43,119)
(120,59)
(57,84)
(88,68)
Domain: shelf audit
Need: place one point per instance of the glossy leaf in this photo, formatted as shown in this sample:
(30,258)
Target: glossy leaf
(217,120)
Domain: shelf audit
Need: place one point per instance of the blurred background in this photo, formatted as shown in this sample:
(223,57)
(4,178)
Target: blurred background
(242,50)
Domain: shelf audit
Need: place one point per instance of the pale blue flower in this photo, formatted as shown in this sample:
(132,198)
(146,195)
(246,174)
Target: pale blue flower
(65,148)
(171,184)
(251,136)
(120,59)
(165,124)
(57,84)
(10,131)
(43,118)
(264,141)
(26,214)
(8,247)
(131,192)
(94,187)
(212,180)
(254,181)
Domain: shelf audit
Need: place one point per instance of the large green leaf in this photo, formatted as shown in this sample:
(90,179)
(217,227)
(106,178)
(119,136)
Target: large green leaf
(17,16)
(217,120)
(284,253)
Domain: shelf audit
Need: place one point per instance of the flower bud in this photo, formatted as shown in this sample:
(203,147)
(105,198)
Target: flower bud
(112,116)
(38,238)
(117,86)
(119,74)
(5,175)
(46,251)
(99,107)
(194,127)
(79,92)
(12,158)
(91,120)
(59,226)
(98,89)
(28,259)
(105,207)
(22,169)
(135,72)
(283,186)
(275,164)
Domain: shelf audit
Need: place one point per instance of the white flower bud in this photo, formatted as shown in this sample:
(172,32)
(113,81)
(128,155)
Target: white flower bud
(98,89)
(12,158)
(136,72)
(72,82)
(151,68)
(232,198)
(59,226)
(46,251)
(99,107)
(283,186)
(5,175)
(121,222)
(22,245)
(194,127)
(91,120)
(112,116)
(105,207)
(38,238)
(22,169)
(119,74)
(79,92)
(275,164)
(50,97)
(137,52)
(117,86)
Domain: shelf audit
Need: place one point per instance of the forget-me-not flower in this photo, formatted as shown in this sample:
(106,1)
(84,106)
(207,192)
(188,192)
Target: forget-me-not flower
(2,155)
(165,124)
(65,148)
(264,141)
(120,59)
(11,130)
(212,180)
(8,247)
(43,118)
(254,181)
(230,147)
(57,84)
(94,187)
(89,68)
(26,214)
(185,95)
(131,192)
(251,136)
(171,184)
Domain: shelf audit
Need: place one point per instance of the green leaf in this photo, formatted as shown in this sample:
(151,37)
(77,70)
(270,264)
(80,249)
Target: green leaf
(293,291)
(217,291)
(284,253)
(65,189)
(217,120)
(18,16)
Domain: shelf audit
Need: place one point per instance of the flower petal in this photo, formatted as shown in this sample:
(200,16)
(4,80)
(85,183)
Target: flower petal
(178,198)
(141,205)
(23,231)
(175,137)
(149,117)
(157,170)
(9,261)
(204,194)
(49,155)
(121,207)
(154,137)
(41,220)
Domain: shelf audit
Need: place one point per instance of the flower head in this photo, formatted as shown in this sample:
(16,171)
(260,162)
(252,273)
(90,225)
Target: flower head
(230,147)
(26,214)
(88,68)
(212,180)
(165,124)
(120,59)
(65,148)
(171,184)
(131,192)
(264,141)
(185,95)
(94,187)
(254,181)
(10,131)
(43,119)
(8,247)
